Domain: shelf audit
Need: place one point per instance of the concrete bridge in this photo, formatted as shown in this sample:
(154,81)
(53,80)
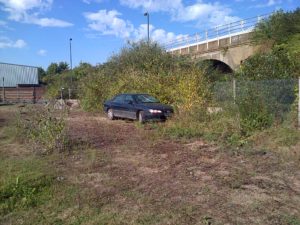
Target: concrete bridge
(228,44)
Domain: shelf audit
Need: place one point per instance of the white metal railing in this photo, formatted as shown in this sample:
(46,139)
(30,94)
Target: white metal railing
(227,30)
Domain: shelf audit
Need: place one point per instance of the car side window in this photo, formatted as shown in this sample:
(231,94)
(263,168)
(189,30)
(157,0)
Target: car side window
(128,98)
(119,99)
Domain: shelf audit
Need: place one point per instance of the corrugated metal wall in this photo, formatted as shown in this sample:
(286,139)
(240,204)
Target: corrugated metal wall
(18,74)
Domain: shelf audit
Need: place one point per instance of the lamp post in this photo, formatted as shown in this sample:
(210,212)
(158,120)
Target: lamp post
(147,14)
(71,67)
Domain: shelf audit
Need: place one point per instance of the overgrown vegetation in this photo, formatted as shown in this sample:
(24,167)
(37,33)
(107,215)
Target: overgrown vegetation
(144,68)
(24,192)
(43,128)
(128,178)
(134,172)
(263,100)
(30,189)
(60,79)
(279,52)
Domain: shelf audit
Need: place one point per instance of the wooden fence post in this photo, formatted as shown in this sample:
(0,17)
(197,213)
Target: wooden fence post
(3,90)
(34,95)
(18,94)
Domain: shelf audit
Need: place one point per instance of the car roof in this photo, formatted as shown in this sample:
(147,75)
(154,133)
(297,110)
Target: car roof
(133,94)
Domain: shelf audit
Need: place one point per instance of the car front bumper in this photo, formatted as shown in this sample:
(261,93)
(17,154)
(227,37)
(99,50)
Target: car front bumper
(157,116)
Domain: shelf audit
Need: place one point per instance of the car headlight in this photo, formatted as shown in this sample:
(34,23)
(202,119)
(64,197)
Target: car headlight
(154,111)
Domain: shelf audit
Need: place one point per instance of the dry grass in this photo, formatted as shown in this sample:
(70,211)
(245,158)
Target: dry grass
(128,175)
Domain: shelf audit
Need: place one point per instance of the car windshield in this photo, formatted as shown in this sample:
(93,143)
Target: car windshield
(145,99)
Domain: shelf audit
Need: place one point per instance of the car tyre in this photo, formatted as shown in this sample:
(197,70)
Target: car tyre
(110,114)
(141,117)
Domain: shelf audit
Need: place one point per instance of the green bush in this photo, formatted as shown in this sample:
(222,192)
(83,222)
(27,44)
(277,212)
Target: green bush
(23,193)
(146,69)
(44,128)
(222,127)
(253,111)
(56,79)
(278,27)
(264,103)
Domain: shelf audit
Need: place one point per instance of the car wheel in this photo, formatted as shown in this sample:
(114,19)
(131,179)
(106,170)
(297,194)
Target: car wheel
(141,117)
(110,114)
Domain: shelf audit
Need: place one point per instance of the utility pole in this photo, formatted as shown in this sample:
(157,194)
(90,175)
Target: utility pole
(148,24)
(71,67)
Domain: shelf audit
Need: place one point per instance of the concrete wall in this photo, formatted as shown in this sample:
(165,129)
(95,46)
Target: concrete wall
(230,50)
(232,56)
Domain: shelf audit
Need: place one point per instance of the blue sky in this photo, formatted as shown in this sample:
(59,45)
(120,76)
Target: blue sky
(37,32)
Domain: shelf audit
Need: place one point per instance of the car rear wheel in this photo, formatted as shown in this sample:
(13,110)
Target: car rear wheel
(141,117)
(110,114)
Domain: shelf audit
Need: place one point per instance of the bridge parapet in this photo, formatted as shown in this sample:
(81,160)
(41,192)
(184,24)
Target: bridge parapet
(213,45)
(227,35)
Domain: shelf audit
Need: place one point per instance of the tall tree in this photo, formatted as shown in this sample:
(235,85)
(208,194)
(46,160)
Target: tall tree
(278,28)
(41,73)
(57,68)
(52,69)
(62,66)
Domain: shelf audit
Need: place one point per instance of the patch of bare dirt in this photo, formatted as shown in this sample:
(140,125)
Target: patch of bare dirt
(187,182)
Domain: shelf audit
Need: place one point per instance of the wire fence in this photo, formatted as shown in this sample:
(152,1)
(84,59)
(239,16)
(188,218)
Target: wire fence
(274,97)
(69,93)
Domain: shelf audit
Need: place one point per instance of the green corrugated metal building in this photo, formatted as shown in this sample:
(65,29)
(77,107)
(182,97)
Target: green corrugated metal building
(12,75)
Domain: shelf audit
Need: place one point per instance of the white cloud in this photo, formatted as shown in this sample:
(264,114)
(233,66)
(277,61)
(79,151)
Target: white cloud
(42,52)
(90,1)
(142,31)
(212,13)
(49,22)
(153,5)
(272,2)
(269,3)
(19,44)
(158,35)
(163,36)
(109,23)
(3,23)
(5,42)
(28,11)
(106,22)
(201,12)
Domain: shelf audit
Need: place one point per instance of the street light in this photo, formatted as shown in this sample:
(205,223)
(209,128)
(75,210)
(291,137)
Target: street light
(71,55)
(71,66)
(147,14)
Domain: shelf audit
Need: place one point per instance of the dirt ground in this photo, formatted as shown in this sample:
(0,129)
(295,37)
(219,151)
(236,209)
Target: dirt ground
(126,169)
(182,182)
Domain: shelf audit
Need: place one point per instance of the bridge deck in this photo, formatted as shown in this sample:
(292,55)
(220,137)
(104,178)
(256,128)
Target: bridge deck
(213,44)
(224,37)
(227,35)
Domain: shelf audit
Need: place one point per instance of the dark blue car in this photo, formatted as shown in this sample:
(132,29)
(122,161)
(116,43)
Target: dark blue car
(142,107)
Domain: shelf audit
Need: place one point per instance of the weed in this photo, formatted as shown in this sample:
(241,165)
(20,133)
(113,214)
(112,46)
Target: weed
(22,193)
(291,220)
(44,128)
(207,220)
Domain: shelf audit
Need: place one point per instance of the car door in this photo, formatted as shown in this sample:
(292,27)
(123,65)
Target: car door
(117,105)
(129,107)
